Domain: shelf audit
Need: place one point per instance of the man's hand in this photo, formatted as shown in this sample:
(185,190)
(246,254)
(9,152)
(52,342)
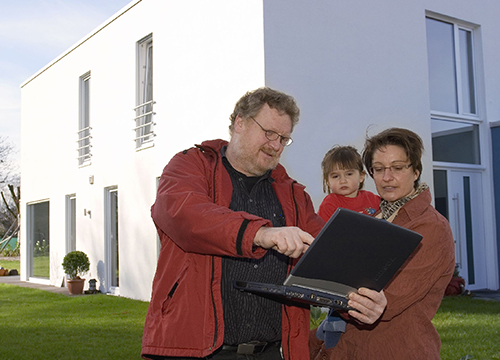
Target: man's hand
(289,240)
(370,305)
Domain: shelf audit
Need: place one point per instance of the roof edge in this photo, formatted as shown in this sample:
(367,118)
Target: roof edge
(94,32)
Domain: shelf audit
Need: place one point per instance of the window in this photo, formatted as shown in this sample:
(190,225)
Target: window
(455,142)
(70,223)
(84,121)
(451,68)
(39,239)
(455,121)
(111,238)
(441,192)
(144,134)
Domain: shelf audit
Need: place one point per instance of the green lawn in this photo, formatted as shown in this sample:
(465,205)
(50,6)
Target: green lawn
(10,264)
(37,324)
(469,326)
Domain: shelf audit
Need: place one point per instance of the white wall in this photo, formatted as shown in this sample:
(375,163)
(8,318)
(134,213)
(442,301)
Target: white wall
(356,69)
(361,68)
(206,55)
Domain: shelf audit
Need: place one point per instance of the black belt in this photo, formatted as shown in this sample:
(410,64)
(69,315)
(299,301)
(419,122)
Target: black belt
(252,347)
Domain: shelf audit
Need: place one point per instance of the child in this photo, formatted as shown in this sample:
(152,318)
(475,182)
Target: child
(343,178)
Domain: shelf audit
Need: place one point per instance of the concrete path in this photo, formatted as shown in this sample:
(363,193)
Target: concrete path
(14,280)
(486,295)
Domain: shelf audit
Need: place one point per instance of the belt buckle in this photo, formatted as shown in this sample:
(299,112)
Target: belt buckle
(251,347)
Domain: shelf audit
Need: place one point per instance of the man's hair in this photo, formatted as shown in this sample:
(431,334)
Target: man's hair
(409,141)
(251,103)
(342,158)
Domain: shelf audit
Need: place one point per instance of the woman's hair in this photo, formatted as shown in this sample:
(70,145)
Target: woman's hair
(251,103)
(342,158)
(409,141)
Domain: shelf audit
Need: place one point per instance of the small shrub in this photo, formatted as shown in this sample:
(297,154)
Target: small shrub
(76,263)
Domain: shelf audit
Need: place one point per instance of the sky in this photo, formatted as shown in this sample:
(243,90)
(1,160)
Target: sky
(32,34)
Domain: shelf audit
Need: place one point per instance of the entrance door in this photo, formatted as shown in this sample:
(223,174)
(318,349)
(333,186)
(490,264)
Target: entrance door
(458,198)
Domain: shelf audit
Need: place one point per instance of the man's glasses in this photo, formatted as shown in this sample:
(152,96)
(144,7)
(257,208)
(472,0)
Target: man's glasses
(394,169)
(273,135)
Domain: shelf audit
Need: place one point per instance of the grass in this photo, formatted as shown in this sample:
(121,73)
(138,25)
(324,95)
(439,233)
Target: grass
(469,326)
(11,264)
(40,266)
(37,324)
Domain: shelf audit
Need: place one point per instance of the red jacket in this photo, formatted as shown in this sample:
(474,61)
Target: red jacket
(196,229)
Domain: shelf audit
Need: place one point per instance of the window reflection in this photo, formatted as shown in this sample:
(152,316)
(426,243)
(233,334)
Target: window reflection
(39,236)
(451,68)
(455,142)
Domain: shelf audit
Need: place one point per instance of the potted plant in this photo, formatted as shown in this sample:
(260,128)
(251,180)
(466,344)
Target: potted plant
(75,264)
(456,285)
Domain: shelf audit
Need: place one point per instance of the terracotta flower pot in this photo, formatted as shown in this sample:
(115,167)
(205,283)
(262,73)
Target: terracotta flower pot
(75,286)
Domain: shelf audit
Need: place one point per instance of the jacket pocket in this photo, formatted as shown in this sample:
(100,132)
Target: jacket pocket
(167,305)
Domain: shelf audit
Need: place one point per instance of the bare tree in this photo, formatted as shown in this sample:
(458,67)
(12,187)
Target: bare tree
(8,170)
(9,190)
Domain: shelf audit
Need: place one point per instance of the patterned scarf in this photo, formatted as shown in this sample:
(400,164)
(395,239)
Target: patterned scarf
(389,209)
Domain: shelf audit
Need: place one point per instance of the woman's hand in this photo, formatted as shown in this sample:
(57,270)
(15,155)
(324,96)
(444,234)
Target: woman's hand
(369,305)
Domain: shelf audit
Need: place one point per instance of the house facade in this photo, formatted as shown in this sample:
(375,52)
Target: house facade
(101,121)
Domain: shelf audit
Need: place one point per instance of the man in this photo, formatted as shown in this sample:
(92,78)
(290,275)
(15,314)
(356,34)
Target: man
(229,211)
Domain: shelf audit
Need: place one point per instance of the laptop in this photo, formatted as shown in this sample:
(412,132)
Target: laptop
(352,250)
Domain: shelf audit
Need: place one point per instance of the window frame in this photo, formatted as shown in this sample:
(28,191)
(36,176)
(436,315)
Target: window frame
(70,210)
(31,231)
(84,128)
(459,116)
(143,121)
(111,245)
(457,27)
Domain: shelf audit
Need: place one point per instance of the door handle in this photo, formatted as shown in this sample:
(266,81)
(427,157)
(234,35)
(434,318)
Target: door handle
(456,200)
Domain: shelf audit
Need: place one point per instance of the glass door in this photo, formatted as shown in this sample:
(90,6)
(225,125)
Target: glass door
(39,240)
(458,198)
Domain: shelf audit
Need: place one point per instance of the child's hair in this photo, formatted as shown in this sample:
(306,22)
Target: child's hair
(340,157)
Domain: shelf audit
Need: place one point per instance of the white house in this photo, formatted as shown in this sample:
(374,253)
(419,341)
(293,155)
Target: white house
(101,121)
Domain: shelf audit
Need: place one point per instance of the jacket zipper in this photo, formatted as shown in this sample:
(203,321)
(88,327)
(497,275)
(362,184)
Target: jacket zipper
(290,263)
(213,258)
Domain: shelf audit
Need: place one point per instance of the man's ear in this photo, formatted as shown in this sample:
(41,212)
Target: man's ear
(239,124)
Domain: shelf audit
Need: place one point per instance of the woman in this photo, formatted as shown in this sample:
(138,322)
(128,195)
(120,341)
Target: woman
(405,331)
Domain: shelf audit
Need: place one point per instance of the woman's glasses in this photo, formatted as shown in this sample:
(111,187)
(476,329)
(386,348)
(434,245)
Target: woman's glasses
(394,169)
